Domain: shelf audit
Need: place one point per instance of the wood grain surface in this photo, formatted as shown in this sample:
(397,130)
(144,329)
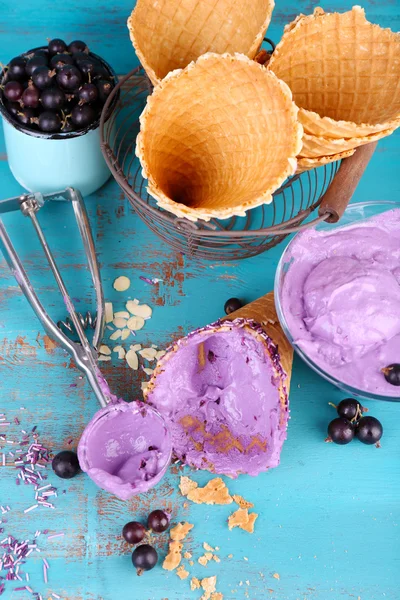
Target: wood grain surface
(329,516)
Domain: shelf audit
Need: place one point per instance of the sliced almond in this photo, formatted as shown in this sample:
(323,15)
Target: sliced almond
(132,360)
(148,371)
(125,334)
(121,354)
(120,323)
(139,310)
(105,350)
(135,323)
(109,316)
(144,385)
(103,358)
(148,353)
(116,335)
(136,347)
(121,284)
(122,313)
(160,354)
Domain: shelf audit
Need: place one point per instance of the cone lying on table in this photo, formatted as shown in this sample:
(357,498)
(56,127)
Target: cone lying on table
(344,73)
(218,137)
(169,34)
(223,391)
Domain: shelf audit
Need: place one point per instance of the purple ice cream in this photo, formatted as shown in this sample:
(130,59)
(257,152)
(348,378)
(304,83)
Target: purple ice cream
(341,300)
(126,448)
(222,392)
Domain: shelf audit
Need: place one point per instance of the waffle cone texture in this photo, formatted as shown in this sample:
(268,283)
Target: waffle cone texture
(169,34)
(218,138)
(344,73)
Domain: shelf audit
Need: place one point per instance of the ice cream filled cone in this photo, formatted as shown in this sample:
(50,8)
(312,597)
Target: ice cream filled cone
(344,73)
(223,390)
(218,137)
(169,34)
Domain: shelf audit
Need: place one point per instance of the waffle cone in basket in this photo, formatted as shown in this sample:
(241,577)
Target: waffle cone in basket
(317,146)
(306,164)
(344,73)
(206,436)
(169,34)
(218,137)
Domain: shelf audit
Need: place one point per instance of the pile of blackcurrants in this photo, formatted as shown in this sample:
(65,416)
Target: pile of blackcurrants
(57,89)
(145,557)
(351,423)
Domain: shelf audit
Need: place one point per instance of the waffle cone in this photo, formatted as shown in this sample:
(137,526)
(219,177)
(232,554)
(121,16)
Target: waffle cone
(218,137)
(344,73)
(306,164)
(263,312)
(169,34)
(315,147)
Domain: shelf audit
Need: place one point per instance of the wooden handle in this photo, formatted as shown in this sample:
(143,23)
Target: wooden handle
(343,186)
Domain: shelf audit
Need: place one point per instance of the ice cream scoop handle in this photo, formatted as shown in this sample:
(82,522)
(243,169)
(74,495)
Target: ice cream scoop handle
(343,186)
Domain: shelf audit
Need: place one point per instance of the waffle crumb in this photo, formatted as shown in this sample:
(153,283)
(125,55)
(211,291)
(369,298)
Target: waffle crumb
(230,555)
(195,584)
(191,563)
(208,547)
(240,501)
(203,561)
(187,555)
(174,556)
(214,492)
(217,596)
(180,531)
(182,573)
(186,485)
(276,576)
(208,584)
(216,558)
(241,518)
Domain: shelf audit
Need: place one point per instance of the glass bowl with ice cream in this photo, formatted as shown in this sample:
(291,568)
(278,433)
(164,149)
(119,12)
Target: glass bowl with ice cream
(337,294)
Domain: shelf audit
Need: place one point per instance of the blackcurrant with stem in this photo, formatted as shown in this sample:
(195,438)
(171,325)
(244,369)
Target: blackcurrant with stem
(88,93)
(13,108)
(49,122)
(350,409)
(144,558)
(77,46)
(369,430)
(56,46)
(43,77)
(69,77)
(13,91)
(392,373)
(59,61)
(158,521)
(133,532)
(25,115)
(104,87)
(30,97)
(53,99)
(340,431)
(16,68)
(35,62)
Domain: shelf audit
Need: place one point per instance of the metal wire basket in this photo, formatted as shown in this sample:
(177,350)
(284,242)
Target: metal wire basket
(230,239)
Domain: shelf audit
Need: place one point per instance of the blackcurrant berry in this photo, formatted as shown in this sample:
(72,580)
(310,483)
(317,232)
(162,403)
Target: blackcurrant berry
(42,77)
(350,409)
(232,305)
(65,464)
(60,60)
(158,521)
(16,68)
(340,431)
(25,115)
(88,93)
(144,558)
(57,46)
(105,87)
(369,430)
(30,97)
(35,62)
(69,77)
(392,373)
(133,532)
(13,91)
(83,116)
(53,99)
(77,46)
(49,122)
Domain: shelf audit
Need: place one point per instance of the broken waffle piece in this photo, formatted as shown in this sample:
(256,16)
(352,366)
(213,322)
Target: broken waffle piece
(208,584)
(215,492)
(208,547)
(195,584)
(203,561)
(180,531)
(187,555)
(186,485)
(174,556)
(217,596)
(241,518)
(182,573)
(240,501)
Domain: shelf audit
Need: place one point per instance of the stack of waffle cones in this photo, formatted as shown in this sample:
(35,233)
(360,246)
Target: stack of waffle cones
(344,75)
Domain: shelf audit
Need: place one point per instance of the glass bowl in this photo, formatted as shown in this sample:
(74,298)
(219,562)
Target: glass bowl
(354,214)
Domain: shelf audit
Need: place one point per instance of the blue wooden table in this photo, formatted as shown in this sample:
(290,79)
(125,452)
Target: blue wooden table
(329,516)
